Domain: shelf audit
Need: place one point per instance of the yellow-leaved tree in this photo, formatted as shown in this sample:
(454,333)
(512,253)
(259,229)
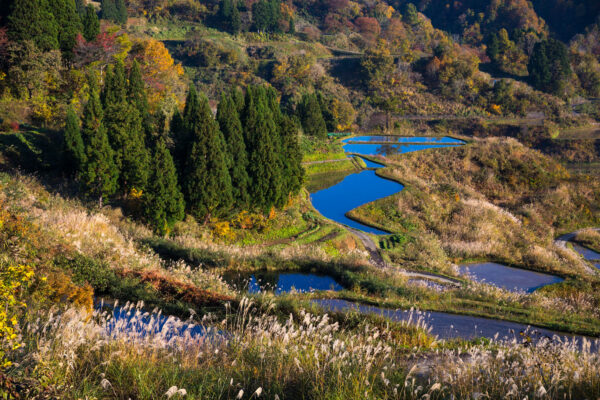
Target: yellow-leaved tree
(13,281)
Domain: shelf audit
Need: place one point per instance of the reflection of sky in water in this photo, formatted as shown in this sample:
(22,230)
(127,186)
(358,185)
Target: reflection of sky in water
(288,281)
(513,279)
(449,326)
(371,164)
(388,149)
(586,253)
(397,139)
(354,191)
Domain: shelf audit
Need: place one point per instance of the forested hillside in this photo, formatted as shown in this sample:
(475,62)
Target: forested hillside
(210,199)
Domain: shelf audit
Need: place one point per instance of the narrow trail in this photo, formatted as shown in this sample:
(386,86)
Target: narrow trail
(379,262)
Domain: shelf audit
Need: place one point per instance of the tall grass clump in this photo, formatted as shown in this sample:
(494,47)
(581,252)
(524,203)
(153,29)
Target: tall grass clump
(252,353)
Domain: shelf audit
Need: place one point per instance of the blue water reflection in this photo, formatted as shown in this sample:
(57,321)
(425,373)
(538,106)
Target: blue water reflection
(388,149)
(398,139)
(282,282)
(354,191)
(513,279)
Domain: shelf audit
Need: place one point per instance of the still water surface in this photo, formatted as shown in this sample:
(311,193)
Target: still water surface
(514,279)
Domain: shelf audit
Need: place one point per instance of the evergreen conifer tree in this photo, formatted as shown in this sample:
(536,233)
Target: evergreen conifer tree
(163,201)
(92,112)
(231,127)
(121,11)
(68,22)
(108,10)
(80,6)
(180,131)
(73,144)
(238,98)
(206,183)
(126,134)
(136,94)
(264,162)
(115,85)
(99,172)
(33,20)
(291,157)
(235,23)
(91,24)
(311,117)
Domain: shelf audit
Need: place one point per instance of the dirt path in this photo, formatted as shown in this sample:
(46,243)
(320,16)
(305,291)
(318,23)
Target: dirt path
(379,262)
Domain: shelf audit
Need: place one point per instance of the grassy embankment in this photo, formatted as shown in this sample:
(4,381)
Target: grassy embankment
(77,251)
(299,239)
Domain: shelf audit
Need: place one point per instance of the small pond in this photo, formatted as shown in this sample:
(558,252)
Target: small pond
(450,326)
(398,139)
(388,149)
(281,282)
(513,279)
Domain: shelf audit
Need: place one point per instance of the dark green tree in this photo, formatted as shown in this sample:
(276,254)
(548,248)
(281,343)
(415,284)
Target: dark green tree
(99,172)
(237,94)
(311,117)
(115,85)
(206,183)
(136,95)
(126,134)
(92,112)
(67,19)
(229,16)
(410,14)
(180,131)
(266,14)
(33,20)
(114,10)
(549,66)
(262,141)
(74,149)
(293,172)
(80,6)
(163,201)
(231,127)
(121,11)
(91,24)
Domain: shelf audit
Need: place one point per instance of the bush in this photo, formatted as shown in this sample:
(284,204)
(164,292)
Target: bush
(86,270)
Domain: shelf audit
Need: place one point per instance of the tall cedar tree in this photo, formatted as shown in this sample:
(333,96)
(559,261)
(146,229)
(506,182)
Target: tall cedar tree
(206,182)
(261,137)
(124,124)
(237,94)
(266,14)
(114,10)
(67,19)
(163,201)
(229,16)
(99,173)
(80,6)
(74,149)
(231,126)
(136,95)
(292,156)
(180,131)
(277,116)
(549,66)
(33,20)
(311,117)
(91,24)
